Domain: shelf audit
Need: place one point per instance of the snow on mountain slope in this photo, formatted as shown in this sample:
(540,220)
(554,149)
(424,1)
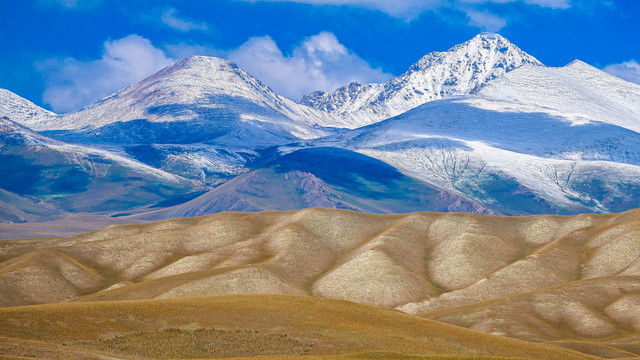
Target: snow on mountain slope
(206,163)
(461,70)
(13,134)
(202,118)
(578,92)
(511,158)
(23,111)
(74,177)
(196,99)
(319,177)
(521,139)
(504,125)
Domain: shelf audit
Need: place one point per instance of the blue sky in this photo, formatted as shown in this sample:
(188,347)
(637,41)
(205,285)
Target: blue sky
(66,54)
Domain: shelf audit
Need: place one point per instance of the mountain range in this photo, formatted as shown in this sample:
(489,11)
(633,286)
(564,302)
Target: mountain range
(461,70)
(483,127)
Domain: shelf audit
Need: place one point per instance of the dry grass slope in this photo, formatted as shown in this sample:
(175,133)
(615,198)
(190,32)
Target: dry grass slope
(573,281)
(246,325)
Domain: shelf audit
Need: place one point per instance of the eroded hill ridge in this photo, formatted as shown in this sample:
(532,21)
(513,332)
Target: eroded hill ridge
(577,276)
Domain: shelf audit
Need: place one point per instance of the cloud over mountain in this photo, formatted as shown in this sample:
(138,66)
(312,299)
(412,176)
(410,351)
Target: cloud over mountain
(320,62)
(628,70)
(479,16)
(72,84)
(170,18)
(71,4)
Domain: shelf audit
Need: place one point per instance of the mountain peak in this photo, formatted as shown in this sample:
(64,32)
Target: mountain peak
(484,47)
(199,68)
(489,36)
(202,62)
(579,64)
(495,40)
(23,111)
(175,93)
(492,37)
(215,94)
(461,70)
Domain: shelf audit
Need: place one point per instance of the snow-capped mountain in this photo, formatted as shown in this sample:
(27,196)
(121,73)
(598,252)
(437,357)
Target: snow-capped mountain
(202,162)
(461,70)
(577,92)
(23,111)
(321,177)
(79,178)
(198,99)
(483,127)
(547,140)
(202,118)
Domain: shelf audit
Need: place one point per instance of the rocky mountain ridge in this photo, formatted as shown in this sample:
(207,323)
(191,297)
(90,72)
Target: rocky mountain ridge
(502,134)
(459,71)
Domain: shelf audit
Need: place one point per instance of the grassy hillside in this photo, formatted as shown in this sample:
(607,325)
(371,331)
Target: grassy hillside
(243,326)
(571,281)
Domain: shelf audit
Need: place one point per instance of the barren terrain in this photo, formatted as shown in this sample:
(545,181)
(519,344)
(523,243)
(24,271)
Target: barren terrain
(556,282)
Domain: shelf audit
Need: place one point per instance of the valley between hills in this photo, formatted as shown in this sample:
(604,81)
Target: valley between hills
(327,283)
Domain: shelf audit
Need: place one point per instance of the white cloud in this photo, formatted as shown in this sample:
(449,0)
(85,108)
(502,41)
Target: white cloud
(628,70)
(72,84)
(400,8)
(321,62)
(486,20)
(183,50)
(553,4)
(411,8)
(66,3)
(71,4)
(170,18)
(475,10)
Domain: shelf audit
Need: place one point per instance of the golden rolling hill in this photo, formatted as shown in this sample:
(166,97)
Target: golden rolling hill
(550,280)
(246,326)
